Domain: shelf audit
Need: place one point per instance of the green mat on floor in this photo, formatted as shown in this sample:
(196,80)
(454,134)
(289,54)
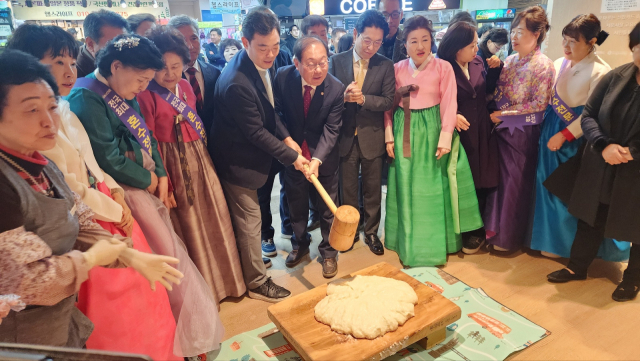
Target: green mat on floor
(486,331)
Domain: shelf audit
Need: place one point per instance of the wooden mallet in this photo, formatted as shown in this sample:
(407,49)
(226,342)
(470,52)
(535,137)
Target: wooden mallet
(345,220)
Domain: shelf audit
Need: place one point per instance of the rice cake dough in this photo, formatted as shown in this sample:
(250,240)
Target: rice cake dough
(367,306)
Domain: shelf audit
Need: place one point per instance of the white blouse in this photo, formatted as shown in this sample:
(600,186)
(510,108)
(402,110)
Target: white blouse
(576,84)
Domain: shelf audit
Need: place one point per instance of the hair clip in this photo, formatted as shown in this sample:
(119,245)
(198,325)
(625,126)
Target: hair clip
(126,42)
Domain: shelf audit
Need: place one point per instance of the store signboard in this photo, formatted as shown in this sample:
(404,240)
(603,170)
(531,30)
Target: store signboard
(355,7)
(495,14)
(225,7)
(73,10)
(5,30)
(209,24)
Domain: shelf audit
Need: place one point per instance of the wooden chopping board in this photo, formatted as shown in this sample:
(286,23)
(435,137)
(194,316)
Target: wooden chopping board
(313,340)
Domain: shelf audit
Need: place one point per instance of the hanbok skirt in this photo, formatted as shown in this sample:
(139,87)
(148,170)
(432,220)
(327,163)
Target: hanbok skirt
(198,326)
(509,207)
(554,228)
(430,202)
(204,226)
(123,308)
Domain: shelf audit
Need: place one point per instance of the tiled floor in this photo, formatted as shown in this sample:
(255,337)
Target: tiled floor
(585,323)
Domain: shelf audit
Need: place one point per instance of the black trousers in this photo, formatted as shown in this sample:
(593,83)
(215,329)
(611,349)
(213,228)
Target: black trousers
(371,169)
(587,243)
(264,198)
(298,189)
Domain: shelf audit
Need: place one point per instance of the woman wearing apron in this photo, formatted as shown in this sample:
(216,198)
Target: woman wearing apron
(109,298)
(46,231)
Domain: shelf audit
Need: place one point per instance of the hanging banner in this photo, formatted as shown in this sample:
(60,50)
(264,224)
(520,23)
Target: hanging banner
(73,10)
(225,6)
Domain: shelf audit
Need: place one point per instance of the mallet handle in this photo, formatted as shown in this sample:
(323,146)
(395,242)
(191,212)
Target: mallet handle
(325,196)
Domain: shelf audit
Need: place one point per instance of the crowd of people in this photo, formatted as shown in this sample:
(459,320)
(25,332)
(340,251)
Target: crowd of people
(138,153)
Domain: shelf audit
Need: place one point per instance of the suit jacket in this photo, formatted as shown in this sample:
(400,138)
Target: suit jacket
(216,58)
(321,127)
(210,74)
(379,89)
(86,63)
(242,140)
(578,181)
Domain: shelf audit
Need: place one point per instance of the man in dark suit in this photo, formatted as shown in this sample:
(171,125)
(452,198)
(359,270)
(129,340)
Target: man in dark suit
(212,49)
(309,103)
(201,76)
(371,83)
(242,143)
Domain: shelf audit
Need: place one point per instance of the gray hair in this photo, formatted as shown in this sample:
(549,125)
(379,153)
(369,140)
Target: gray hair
(179,21)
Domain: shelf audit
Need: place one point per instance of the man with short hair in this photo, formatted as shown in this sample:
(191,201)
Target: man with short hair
(212,48)
(309,102)
(201,75)
(336,34)
(242,143)
(393,47)
(371,86)
(316,25)
(99,28)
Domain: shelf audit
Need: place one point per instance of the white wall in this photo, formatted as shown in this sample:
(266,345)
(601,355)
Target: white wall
(472,5)
(185,7)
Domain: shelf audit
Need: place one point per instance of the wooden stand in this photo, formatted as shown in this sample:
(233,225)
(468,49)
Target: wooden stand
(312,340)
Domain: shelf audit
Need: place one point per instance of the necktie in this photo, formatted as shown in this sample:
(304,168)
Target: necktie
(307,102)
(267,84)
(360,78)
(363,66)
(196,88)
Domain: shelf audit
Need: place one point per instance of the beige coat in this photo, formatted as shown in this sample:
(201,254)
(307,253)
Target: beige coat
(73,155)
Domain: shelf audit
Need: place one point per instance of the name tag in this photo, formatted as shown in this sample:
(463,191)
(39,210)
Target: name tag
(73,210)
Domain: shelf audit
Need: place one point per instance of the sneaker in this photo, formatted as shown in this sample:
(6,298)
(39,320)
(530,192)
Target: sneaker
(472,244)
(267,262)
(626,291)
(269,248)
(269,292)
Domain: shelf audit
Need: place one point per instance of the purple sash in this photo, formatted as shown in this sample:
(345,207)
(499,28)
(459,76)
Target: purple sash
(183,108)
(514,121)
(559,106)
(127,115)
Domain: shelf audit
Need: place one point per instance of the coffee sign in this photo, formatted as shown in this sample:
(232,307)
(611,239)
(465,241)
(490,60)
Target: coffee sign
(356,7)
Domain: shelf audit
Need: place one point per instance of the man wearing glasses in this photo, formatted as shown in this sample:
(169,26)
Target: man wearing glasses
(392,48)
(309,104)
(371,84)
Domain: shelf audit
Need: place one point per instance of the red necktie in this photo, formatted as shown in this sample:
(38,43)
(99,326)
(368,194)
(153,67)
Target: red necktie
(307,102)
(196,88)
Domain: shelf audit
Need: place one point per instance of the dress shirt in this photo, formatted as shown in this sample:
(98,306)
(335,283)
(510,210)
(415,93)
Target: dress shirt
(313,91)
(356,70)
(465,69)
(266,79)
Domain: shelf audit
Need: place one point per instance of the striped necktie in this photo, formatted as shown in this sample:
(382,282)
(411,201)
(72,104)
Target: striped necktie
(196,88)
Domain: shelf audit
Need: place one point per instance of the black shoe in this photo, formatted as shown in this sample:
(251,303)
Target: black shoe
(329,267)
(564,275)
(374,244)
(355,240)
(626,291)
(269,292)
(313,224)
(296,256)
(472,244)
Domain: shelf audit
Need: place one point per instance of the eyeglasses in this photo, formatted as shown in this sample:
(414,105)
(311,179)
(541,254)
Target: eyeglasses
(368,42)
(313,67)
(394,15)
